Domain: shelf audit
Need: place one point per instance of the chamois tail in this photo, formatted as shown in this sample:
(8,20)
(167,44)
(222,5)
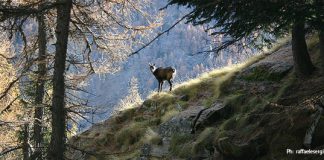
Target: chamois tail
(174,72)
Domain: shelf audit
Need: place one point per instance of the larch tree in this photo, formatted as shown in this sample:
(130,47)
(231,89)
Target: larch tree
(84,30)
(10,111)
(57,143)
(16,17)
(106,29)
(40,89)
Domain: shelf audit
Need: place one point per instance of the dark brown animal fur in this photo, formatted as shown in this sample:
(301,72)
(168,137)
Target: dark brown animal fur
(162,74)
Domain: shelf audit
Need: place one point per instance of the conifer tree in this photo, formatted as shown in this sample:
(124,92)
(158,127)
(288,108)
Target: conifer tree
(260,20)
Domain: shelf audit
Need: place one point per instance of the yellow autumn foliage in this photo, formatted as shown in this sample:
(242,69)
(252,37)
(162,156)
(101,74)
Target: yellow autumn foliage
(10,109)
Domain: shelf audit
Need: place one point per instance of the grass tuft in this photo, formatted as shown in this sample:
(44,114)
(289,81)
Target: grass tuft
(180,145)
(204,140)
(151,137)
(168,115)
(131,134)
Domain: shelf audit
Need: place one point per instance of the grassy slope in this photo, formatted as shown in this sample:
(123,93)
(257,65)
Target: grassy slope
(254,116)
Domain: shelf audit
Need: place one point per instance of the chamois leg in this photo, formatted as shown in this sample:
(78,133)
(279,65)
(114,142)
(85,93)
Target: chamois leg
(161,86)
(170,84)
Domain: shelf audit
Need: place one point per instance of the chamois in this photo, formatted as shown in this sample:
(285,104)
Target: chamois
(162,74)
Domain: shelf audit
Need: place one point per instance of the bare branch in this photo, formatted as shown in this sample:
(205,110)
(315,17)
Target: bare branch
(160,34)
(10,149)
(9,105)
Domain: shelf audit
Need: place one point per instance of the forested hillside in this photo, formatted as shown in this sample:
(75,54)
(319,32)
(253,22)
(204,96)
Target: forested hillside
(89,79)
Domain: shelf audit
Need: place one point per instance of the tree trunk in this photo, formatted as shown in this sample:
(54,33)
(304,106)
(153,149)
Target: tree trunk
(39,110)
(25,144)
(57,143)
(320,22)
(321,43)
(302,62)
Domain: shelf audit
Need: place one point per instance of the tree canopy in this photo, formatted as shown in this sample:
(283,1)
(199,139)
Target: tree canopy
(262,21)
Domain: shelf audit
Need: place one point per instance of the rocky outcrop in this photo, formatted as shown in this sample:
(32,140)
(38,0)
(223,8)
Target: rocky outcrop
(181,123)
(211,115)
(272,68)
(244,150)
(189,121)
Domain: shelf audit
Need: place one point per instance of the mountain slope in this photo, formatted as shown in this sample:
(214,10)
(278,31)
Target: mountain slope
(172,49)
(255,110)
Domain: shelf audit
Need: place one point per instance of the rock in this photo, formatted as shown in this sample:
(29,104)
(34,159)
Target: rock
(181,123)
(280,68)
(161,150)
(217,112)
(178,107)
(146,150)
(272,67)
(266,71)
(191,119)
(242,149)
(142,158)
(184,98)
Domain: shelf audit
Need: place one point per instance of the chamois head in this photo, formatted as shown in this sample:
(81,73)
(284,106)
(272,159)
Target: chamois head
(162,74)
(152,67)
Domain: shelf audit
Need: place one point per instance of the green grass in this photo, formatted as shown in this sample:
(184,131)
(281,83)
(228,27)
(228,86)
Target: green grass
(167,116)
(285,86)
(180,144)
(152,137)
(131,134)
(204,140)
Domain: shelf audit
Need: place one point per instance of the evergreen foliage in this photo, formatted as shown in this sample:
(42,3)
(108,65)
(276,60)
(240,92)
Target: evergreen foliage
(260,22)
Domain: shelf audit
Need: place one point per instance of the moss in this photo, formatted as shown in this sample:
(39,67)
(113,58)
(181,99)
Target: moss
(262,74)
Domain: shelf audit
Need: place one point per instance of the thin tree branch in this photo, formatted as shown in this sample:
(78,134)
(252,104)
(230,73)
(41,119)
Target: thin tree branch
(160,34)
(4,152)
(9,105)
